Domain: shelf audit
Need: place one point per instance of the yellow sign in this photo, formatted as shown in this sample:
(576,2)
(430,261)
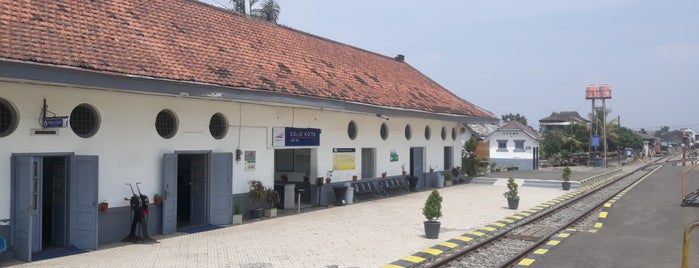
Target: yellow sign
(344,158)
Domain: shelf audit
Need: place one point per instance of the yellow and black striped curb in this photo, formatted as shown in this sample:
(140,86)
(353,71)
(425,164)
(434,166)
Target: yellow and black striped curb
(428,254)
(602,217)
(538,253)
(601,175)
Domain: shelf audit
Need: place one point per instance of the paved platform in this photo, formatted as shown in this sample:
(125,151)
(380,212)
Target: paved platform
(644,228)
(364,234)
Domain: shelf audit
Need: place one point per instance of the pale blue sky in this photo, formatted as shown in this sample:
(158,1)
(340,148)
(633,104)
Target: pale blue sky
(532,57)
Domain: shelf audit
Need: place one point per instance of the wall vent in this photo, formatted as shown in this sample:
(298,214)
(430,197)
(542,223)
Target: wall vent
(44,132)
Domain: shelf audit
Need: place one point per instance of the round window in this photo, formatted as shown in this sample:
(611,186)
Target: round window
(166,124)
(408,132)
(453,133)
(8,118)
(84,121)
(352,130)
(444,133)
(428,132)
(218,126)
(384,131)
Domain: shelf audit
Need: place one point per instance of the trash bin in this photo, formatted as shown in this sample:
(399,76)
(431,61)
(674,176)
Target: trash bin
(349,195)
(340,195)
(413,183)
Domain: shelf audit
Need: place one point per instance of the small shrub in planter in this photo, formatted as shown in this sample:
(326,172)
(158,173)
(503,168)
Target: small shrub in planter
(566,178)
(512,195)
(432,212)
(257,195)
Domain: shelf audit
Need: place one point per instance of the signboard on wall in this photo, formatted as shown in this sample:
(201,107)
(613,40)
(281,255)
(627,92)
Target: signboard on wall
(344,158)
(289,136)
(394,156)
(250,160)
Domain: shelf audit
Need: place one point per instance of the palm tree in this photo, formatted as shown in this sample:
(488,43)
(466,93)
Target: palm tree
(269,11)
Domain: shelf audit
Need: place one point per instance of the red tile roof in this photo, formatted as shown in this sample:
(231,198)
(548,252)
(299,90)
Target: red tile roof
(516,125)
(190,41)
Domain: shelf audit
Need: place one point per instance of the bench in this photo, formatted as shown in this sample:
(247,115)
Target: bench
(396,183)
(368,187)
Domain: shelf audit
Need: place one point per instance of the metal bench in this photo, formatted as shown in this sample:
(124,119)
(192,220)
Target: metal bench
(368,187)
(397,183)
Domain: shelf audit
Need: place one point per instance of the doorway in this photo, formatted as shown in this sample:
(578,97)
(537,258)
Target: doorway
(53,202)
(417,166)
(368,163)
(198,189)
(191,189)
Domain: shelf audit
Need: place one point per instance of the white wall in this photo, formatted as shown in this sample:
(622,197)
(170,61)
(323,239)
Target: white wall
(130,150)
(510,136)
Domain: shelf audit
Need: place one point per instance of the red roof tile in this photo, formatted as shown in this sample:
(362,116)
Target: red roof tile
(190,41)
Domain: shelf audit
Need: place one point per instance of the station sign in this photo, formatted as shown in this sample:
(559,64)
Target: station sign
(55,122)
(289,136)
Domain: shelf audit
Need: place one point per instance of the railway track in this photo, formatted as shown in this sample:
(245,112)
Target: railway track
(578,209)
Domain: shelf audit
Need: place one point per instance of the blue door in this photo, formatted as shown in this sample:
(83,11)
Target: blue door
(221,188)
(417,166)
(25,204)
(83,185)
(170,193)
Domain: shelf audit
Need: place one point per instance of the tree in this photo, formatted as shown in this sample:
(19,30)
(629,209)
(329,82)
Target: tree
(269,11)
(469,162)
(239,5)
(514,117)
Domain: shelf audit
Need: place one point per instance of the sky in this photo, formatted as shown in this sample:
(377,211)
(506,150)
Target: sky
(531,57)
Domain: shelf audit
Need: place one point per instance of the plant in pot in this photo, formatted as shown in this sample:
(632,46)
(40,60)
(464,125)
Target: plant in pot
(447,178)
(402,167)
(103,206)
(272,198)
(512,195)
(432,212)
(237,215)
(354,177)
(566,178)
(383,175)
(157,199)
(257,195)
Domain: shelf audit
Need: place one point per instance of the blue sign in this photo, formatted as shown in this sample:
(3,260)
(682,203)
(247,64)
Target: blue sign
(301,136)
(595,141)
(55,122)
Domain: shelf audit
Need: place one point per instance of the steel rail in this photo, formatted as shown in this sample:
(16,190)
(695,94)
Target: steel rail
(455,255)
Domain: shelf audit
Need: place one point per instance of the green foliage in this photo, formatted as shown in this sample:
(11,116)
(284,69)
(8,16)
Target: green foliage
(271,197)
(469,147)
(433,206)
(470,166)
(514,117)
(269,11)
(566,174)
(236,209)
(256,192)
(512,192)
(447,175)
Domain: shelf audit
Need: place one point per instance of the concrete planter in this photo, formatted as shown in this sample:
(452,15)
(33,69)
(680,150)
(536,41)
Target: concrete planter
(271,212)
(237,219)
(512,203)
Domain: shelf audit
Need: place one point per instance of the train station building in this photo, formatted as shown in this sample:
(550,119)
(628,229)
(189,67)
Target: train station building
(190,102)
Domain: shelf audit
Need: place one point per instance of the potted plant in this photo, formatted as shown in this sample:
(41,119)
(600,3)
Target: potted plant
(237,215)
(103,206)
(285,178)
(566,178)
(257,195)
(157,199)
(354,177)
(432,212)
(447,178)
(272,198)
(383,175)
(402,167)
(511,194)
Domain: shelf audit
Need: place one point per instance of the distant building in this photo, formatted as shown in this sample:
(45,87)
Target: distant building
(515,145)
(561,119)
